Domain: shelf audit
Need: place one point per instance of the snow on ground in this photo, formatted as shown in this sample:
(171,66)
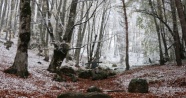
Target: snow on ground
(40,79)
(166,80)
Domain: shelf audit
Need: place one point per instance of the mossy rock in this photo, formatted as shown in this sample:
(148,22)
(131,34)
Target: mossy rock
(114,65)
(83,95)
(85,74)
(67,70)
(111,74)
(74,78)
(138,86)
(94,89)
(100,76)
(59,78)
(64,78)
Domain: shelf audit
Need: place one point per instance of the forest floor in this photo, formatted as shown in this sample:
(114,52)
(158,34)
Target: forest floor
(167,81)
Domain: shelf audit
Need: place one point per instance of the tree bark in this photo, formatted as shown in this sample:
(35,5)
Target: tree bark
(177,44)
(159,35)
(181,17)
(62,49)
(59,29)
(161,12)
(80,37)
(3,15)
(20,64)
(101,33)
(127,39)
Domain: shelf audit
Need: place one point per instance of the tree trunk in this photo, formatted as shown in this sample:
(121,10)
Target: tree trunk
(63,18)
(176,37)
(127,39)
(20,64)
(16,19)
(62,49)
(159,36)
(80,37)
(161,12)
(3,14)
(46,50)
(58,29)
(181,17)
(97,54)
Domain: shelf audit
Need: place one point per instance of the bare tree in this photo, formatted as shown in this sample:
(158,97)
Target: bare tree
(181,17)
(20,64)
(176,34)
(158,33)
(62,49)
(127,39)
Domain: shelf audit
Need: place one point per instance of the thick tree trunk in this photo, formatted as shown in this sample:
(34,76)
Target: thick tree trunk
(177,44)
(63,48)
(20,64)
(70,26)
(181,17)
(127,39)
(58,57)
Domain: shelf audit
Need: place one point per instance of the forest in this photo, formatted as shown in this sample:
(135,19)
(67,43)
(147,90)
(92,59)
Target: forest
(92,48)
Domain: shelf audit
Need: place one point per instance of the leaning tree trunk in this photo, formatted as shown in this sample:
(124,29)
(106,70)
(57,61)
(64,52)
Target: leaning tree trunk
(20,64)
(62,49)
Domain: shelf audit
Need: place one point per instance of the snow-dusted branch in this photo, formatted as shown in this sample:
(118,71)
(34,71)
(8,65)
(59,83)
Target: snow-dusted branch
(156,16)
(92,42)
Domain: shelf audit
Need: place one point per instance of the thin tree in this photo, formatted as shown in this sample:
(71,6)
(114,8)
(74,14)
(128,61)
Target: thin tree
(20,64)
(127,39)
(158,33)
(80,37)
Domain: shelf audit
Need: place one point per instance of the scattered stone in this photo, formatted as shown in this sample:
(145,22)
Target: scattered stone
(138,86)
(65,74)
(94,89)
(83,95)
(58,78)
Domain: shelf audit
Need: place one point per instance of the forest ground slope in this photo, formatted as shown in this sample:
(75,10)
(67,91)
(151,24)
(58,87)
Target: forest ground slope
(164,81)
